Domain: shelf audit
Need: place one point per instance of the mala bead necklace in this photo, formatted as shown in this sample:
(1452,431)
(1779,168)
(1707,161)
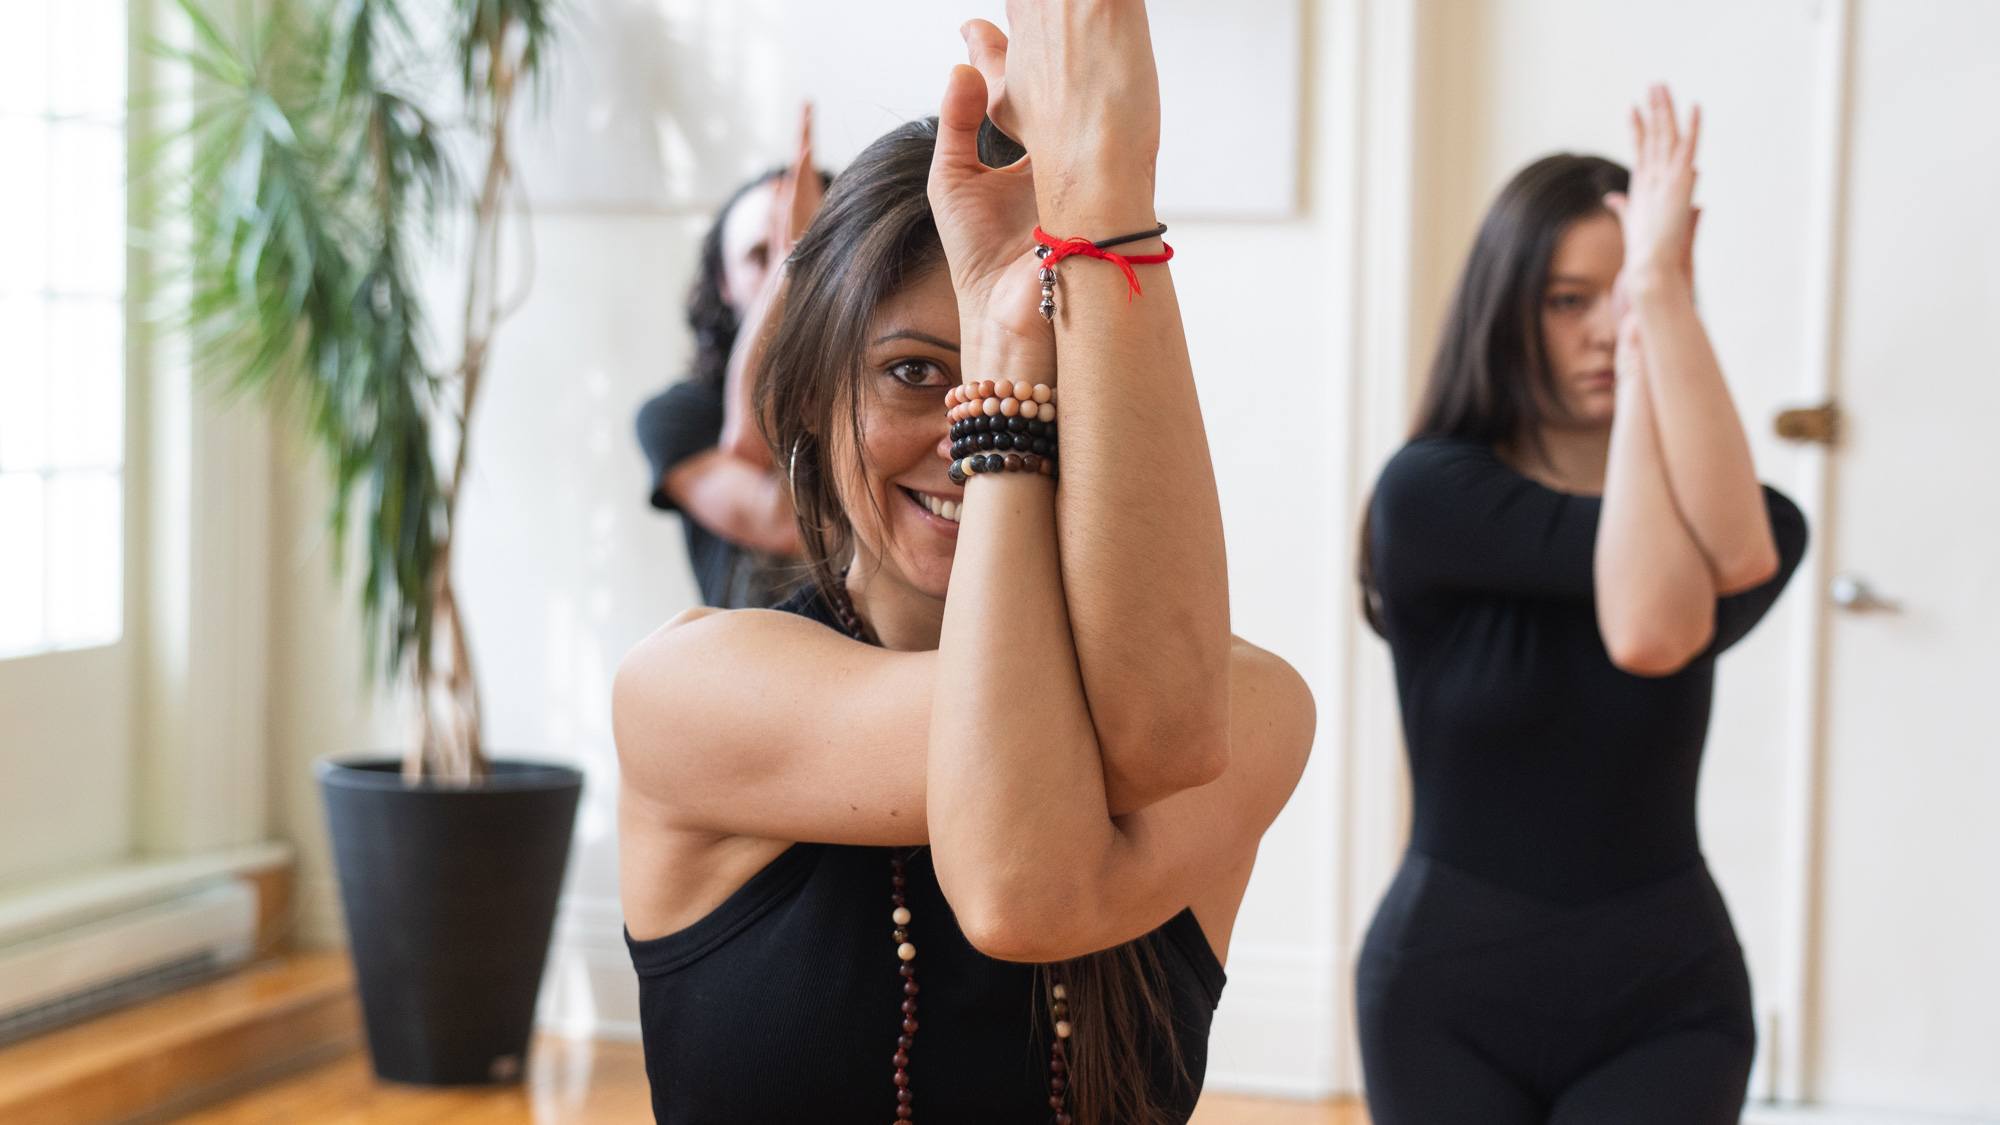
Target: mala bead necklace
(906,952)
(1058,1056)
(842,604)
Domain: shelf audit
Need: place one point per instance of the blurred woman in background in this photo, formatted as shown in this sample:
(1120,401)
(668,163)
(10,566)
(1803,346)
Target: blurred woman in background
(1556,558)
(708,463)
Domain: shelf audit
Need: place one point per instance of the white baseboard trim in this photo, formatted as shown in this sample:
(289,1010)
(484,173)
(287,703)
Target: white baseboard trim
(1763,1113)
(1273,1034)
(32,910)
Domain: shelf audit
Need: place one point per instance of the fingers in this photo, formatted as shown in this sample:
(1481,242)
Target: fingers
(1616,202)
(960,114)
(1693,136)
(986,49)
(802,155)
(1666,126)
(1687,248)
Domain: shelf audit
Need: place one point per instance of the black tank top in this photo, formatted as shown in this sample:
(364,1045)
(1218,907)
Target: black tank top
(784,1003)
(1536,763)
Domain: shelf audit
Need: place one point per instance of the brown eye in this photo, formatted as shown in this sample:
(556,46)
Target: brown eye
(917,373)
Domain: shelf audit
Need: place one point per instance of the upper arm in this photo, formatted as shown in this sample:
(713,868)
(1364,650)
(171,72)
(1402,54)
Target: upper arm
(676,426)
(1450,516)
(764,724)
(1738,613)
(733,499)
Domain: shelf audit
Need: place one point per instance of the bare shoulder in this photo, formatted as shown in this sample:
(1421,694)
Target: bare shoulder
(691,681)
(728,718)
(1272,719)
(697,643)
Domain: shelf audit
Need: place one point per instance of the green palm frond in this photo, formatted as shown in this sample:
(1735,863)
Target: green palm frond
(310,182)
(481,29)
(314,181)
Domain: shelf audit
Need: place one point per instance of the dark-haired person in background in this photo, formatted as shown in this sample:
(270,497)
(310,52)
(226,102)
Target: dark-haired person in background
(707,464)
(1556,558)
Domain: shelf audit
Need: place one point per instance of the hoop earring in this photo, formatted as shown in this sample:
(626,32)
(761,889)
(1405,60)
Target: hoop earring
(792,467)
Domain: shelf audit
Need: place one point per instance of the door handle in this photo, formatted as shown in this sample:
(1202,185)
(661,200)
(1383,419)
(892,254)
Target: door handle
(1852,593)
(1816,425)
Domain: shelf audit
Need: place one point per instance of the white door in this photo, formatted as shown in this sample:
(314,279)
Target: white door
(1908,979)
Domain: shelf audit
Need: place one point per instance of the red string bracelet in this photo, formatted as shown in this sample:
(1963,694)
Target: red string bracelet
(1052,250)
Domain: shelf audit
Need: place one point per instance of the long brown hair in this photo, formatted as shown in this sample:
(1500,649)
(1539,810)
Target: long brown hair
(873,235)
(1490,380)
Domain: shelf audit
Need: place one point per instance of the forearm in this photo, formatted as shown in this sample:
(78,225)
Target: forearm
(1140,524)
(1655,597)
(738,501)
(1705,453)
(742,437)
(1017,800)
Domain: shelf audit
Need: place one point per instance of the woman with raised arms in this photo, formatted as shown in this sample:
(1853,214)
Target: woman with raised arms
(1557,557)
(892,855)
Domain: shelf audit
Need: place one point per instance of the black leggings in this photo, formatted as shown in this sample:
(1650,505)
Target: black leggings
(1482,1006)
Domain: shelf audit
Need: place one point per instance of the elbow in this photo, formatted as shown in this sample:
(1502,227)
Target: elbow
(1027,930)
(738,442)
(1658,649)
(1195,755)
(995,935)
(1748,569)
(1204,762)
(1165,759)
(1030,919)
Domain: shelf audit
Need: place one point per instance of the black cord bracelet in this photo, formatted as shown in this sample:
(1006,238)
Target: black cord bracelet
(1125,238)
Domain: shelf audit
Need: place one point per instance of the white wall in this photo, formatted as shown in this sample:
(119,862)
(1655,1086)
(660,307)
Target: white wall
(1306,320)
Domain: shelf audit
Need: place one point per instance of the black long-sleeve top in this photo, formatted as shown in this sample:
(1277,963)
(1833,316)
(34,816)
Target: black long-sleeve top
(1535,762)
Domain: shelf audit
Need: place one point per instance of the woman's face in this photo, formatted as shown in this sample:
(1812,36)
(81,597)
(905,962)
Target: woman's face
(1579,324)
(746,246)
(897,495)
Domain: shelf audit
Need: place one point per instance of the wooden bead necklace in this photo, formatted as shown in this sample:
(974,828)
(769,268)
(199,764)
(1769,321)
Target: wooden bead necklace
(906,951)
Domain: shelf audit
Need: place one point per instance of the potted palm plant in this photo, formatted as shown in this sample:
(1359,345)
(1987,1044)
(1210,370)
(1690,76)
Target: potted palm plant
(316,174)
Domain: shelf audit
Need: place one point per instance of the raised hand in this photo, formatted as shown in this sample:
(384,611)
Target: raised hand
(793,204)
(799,193)
(986,219)
(1658,212)
(1077,87)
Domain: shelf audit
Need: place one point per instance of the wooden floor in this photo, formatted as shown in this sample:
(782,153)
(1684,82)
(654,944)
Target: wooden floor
(574,1083)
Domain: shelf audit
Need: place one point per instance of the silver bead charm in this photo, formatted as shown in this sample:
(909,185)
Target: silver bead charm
(1048,280)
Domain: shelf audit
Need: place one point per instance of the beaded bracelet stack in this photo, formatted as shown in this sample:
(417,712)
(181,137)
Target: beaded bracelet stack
(1002,426)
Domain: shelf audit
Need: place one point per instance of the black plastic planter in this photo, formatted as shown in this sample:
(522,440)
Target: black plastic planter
(450,896)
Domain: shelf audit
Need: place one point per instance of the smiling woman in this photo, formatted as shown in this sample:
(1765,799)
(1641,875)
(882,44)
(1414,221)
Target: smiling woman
(1004,743)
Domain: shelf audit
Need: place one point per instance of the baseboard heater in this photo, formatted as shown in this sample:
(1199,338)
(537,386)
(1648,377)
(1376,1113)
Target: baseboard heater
(134,951)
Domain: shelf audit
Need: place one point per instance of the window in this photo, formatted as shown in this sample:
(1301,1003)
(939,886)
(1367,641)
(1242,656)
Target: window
(62,325)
